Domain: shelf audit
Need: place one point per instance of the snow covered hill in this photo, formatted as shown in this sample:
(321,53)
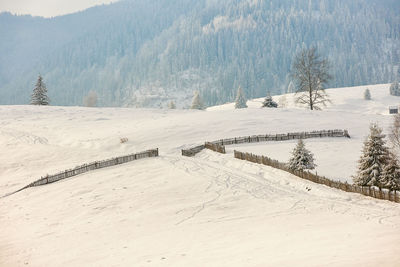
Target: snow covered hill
(336,159)
(347,100)
(210,210)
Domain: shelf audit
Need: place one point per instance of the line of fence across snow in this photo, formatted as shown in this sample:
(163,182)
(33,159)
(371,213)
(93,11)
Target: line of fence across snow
(264,138)
(92,166)
(371,191)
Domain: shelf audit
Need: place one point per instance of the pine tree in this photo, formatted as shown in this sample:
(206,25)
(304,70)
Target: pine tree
(302,159)
(39,95)
(171,105)
(197,102)
(395,89)
(391,174)
(367,94)
(269,102)
(240,101)
(373,158)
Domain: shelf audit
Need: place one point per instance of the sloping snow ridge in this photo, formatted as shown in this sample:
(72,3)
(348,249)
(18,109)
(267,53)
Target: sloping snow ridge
(209,210)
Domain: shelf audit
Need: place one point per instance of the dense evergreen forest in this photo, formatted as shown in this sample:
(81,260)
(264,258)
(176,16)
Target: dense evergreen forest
(147,53)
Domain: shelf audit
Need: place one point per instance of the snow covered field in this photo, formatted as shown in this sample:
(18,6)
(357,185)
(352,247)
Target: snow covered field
(210,210)
(336,158)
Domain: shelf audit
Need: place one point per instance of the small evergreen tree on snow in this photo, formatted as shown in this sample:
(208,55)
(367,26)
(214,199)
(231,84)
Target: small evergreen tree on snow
(302,159)
(395,89)
(240,101)
(373,159)
(197,103)
(171,105)
(367,94)
(39,95)
(391,174)
(269,102)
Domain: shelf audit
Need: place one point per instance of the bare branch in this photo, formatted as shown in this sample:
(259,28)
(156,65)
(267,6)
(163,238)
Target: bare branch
(311,73)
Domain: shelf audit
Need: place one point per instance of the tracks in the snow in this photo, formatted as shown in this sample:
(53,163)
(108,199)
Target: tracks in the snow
(231,180)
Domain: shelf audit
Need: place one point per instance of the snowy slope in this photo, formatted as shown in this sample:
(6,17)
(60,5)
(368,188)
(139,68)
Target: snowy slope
(210,210)
(348,99)
(336,158)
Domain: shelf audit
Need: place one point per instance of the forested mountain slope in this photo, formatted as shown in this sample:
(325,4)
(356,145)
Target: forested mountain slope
(145,53)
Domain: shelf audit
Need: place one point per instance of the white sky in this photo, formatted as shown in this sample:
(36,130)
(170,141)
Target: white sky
(48,8)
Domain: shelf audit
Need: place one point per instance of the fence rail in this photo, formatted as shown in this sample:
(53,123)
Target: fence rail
(264,138)
(191,152)
(371,191)
(90,167)
(215,147)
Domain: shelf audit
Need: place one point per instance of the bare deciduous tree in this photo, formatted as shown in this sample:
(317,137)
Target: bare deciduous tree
(311,73)
(90,100)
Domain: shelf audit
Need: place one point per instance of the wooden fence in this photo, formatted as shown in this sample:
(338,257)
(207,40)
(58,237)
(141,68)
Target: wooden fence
(215,147)
(265,138)
(371,191)
(282,137)
(191,152)
(90,167)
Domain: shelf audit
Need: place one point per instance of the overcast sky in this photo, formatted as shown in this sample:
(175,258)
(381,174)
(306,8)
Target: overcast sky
(48,8)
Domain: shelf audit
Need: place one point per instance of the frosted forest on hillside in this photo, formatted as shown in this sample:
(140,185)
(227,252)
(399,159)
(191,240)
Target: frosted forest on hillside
(143,53)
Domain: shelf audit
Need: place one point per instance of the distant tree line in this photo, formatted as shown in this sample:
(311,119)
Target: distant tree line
(172,48)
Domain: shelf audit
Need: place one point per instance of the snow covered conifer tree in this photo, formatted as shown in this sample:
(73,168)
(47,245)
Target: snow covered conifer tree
(367,94)
(39,95)
(373,159)
(391,174)
(240,101)
(395,89)
(302,159)
(197,103)
(269,102)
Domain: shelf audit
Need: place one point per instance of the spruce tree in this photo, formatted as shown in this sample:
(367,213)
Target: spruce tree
(367,94)
(391,174)
(269,102)
(39,95)
(240,101)
(373,159)
(197,102)
(302,159)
